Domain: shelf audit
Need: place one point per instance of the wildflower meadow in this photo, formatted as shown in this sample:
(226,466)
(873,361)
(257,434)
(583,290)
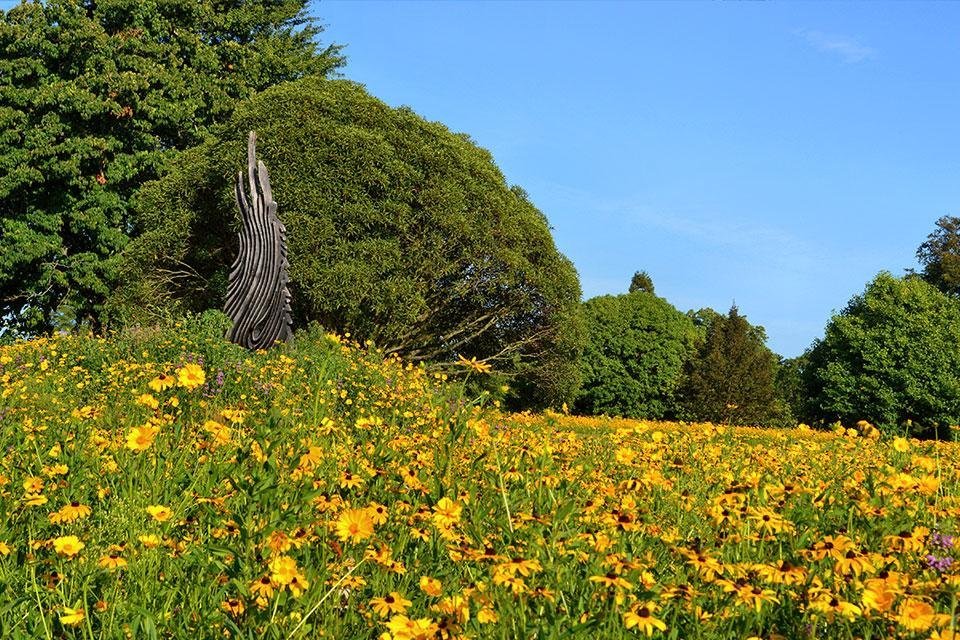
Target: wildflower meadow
(165,484)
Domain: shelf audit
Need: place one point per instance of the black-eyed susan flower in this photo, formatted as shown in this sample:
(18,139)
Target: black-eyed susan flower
(298,584)
(350,480)
(641,617)
(755,597)
(378,513)
(162,382)
(783,573)
(706,565)
(611,580)
(907,541)
(853,563)
(263,587)
(454,608)
(233,606)
(392,603)
(834,547)
(111,561)
(831,606)
(70,513)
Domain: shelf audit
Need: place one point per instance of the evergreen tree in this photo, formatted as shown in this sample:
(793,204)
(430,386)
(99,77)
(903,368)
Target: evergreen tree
(731,379)
(641,281)
(94,98)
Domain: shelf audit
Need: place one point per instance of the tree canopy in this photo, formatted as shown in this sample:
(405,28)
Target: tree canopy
(633,361)
(94,97)
(891,357)
(400,232)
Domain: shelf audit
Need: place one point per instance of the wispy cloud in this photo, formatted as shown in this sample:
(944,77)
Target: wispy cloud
(757,243)
(848,49)
(745,240)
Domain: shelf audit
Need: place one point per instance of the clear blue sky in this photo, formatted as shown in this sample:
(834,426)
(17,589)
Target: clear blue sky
(774,154)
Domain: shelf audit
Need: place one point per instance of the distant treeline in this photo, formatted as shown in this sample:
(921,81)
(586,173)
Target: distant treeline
(890,358)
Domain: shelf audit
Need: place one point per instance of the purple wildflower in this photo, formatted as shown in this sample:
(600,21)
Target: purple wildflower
(941,540)
(939,564)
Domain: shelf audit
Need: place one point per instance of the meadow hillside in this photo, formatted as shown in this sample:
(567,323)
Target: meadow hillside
(166,484)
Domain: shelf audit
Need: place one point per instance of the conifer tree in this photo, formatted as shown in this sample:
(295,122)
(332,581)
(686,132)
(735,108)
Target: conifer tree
(641,281)
(731,380)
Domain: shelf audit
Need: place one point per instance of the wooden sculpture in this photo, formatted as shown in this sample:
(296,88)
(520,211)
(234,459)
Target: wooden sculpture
(258,301)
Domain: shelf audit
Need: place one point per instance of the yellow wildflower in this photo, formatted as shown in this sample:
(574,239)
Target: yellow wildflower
(68,546)
(355,525)
(72,617)
(431,586)
(159,512)
(140,438)
(190,376)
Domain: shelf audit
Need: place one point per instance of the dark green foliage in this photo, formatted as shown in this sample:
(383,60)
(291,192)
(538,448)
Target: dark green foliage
(399,232)
(940,256)
(892,357)
(789,386)
(731,378)
(641,281)
(94,97)
(633,361)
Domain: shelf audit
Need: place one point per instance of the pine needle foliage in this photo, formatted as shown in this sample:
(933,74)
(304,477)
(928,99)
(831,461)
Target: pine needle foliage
(731,379)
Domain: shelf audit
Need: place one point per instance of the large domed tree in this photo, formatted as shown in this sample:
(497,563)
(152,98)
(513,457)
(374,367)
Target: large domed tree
(399,232)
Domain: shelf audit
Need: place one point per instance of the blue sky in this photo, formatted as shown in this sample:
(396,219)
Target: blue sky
(777,155)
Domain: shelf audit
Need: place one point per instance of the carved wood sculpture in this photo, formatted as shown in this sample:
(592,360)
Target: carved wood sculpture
(258,300)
